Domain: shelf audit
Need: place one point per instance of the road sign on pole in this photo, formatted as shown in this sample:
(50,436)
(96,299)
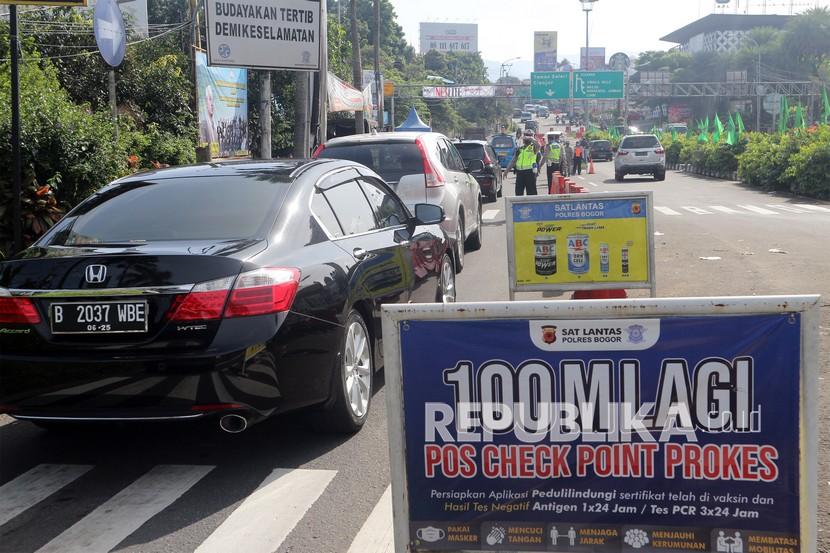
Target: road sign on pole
(598,85)
(550,85)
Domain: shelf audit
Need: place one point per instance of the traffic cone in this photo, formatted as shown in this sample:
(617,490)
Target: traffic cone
(591,167)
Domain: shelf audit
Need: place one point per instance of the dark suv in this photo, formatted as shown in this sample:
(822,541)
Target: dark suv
(601,150)
(490,179)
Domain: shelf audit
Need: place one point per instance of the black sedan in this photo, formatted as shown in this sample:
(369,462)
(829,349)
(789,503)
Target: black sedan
(232,290)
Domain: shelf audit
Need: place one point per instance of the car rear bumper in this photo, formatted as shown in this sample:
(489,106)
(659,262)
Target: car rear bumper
(641,169)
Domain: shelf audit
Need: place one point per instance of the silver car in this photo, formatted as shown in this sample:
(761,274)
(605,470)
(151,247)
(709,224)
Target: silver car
(422,167)
(640,154)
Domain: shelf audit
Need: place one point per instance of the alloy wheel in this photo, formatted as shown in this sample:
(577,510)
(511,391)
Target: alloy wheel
(357,366)
(448,292)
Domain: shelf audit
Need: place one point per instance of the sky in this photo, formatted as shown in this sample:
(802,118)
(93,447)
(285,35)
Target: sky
(505,27)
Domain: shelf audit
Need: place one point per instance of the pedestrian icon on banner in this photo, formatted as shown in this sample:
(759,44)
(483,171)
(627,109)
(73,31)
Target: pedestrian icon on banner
(734,544)
(570,536)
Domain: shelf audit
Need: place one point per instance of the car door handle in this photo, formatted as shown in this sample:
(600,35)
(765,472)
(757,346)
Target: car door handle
(359,253)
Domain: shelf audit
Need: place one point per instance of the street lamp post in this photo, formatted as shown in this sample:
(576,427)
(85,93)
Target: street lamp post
(505,67)
(758,85)
(587,6)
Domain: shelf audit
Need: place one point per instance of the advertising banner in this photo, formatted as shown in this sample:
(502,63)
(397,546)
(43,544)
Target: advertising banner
(342,95)
(223,108)
(641,425)
(544,50)
(449,37)
(580,241)
(595,60)
(264,34)
(459,91)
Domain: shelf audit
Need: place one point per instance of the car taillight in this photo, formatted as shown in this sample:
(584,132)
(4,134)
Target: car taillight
(659,151)
(433,177)
(622,153)
(18,311)
(318,151)
(205,302)
(263,291)
(257,292)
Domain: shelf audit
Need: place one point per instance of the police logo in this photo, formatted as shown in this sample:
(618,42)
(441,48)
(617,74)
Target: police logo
(224,51)
(525,212)
(549,334)
(636,334)
(306,56)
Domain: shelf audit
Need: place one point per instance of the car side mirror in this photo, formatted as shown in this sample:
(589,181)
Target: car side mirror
(429,214)
(475,165)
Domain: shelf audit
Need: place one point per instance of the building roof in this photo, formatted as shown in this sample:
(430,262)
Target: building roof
(724,22)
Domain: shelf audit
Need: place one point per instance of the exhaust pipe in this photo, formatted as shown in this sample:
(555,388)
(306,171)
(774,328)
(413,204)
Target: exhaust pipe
(233,424)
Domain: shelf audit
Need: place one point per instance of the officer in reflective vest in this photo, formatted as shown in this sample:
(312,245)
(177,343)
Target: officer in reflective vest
(525,163)
(553,158)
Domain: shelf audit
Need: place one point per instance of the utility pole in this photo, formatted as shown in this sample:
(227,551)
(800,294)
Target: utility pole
(378,80)
(265,116)
(323,106)
(17,209)
(357,68)
(301,90)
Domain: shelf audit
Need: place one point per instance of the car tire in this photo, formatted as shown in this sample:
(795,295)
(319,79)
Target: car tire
(500,190)
(474,241)
(447,291)
(458,252)
(618,176)
(353,380)
(660,175)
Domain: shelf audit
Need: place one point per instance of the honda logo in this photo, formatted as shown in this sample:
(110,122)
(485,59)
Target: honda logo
(96,274)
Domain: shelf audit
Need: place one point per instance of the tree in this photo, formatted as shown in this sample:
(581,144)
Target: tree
(806,38)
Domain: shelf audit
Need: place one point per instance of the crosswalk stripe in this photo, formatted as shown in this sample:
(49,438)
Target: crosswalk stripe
(787,208)
(759,210)
(124,513)
(376,535)
(696,210)
(268,515)
(595,185)
(490,214)
(814,207)
(32,487)
(724,209)
(666,210)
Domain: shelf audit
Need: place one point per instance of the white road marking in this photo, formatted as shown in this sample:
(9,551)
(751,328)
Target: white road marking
(759,210)
(266,517)
(696,210)
(376,535)
(124,513)
(593,184)
(580,177)
(32,487)
(787,208)
(814,207)
(490,214)
(666,210)
(724,209)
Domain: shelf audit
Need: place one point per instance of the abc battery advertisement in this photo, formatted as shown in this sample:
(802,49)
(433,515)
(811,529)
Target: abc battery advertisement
(650,433)
(580,241)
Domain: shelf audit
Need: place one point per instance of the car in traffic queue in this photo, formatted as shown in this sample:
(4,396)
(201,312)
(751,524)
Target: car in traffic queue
(505,146)
(525,117)
(490,176)
(228,290)
(421,167)
(640,154)
(601,150)
(542,111)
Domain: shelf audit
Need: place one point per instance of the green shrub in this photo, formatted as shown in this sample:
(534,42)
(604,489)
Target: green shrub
(809,167)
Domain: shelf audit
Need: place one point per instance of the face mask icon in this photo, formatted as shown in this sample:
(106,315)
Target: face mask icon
(496,535)
(430,534)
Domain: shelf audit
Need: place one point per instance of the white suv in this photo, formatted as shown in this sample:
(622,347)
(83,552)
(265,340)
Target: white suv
(421,167)
(640,154)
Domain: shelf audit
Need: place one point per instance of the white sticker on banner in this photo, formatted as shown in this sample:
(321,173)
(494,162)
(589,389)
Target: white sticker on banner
(596,335)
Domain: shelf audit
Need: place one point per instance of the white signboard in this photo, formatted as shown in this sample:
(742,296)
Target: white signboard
(459,91)
(264,34)
(449,37)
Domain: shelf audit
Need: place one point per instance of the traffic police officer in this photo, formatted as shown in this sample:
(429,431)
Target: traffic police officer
(553,158)
(525,163)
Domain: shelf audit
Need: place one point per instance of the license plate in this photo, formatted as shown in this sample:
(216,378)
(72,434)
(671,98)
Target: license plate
(104,317)
(641,153)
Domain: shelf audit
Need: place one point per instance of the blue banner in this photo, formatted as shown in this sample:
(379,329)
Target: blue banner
(677,433)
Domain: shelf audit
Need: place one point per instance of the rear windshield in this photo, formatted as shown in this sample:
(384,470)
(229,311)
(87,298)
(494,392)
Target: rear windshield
(639,142)
(196,208)
(469,152)
(390,160)
(503,142)
(600,144)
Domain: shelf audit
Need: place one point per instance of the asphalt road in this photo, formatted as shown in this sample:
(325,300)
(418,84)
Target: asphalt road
(281,487)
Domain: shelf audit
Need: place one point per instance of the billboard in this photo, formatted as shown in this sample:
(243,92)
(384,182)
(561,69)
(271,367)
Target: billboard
(449,37)
(544,51)
(264,34)
(648,425)
(223,108)
(594,61)
(476,91)
(580,241)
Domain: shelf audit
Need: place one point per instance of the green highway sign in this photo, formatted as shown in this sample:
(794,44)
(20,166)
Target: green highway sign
(603,85)
(550,85)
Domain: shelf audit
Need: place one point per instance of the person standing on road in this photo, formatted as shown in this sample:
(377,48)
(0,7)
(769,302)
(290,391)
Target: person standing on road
(526,167)
(578,158)
(566,159)
(553,159)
